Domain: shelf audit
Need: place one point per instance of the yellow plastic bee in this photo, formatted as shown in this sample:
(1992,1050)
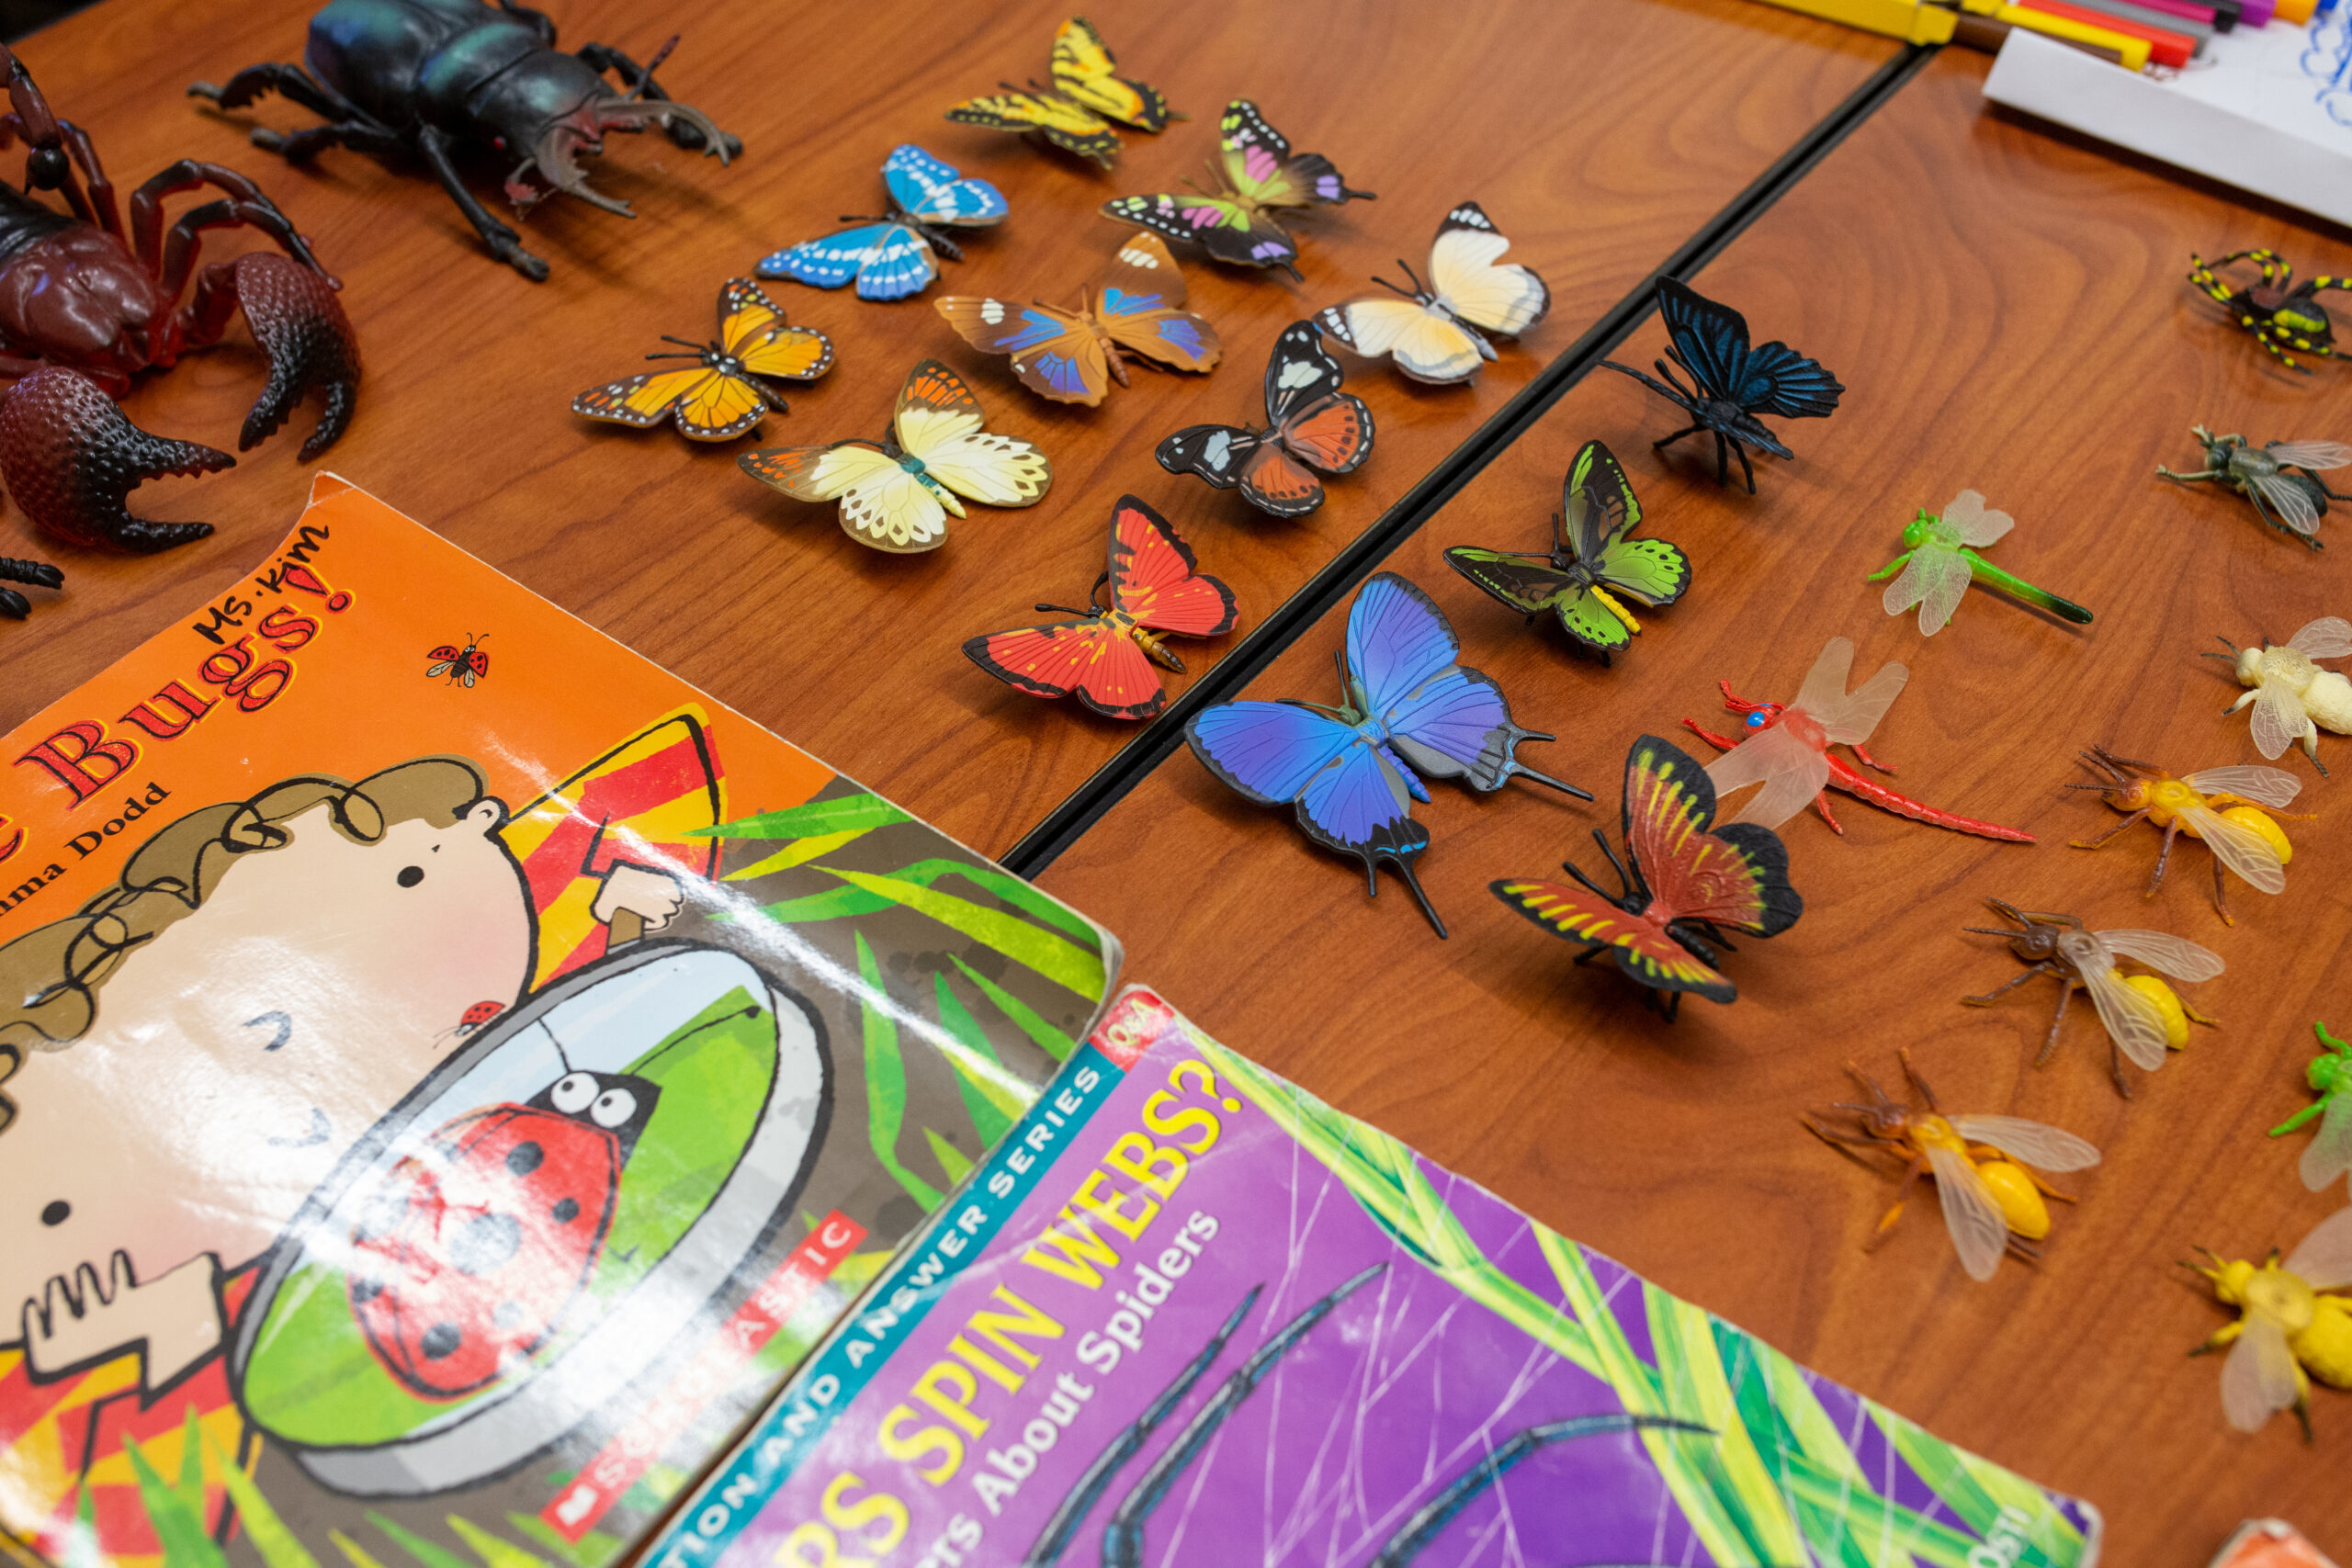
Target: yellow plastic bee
(2293,698)
(2287,1331)
(2221,805)
(1992,1204)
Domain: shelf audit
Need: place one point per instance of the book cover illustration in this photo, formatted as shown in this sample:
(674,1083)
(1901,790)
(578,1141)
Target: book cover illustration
(451,1071)
(1190,1314)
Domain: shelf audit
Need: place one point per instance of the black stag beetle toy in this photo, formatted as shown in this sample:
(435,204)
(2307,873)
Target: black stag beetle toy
(85,308)
(446,78)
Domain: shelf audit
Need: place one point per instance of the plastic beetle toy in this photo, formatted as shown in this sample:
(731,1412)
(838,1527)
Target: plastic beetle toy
(86,306)
(444,79)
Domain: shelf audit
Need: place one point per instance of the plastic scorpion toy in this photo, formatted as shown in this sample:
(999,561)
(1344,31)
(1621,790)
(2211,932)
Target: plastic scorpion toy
(2242,835)
(2287,1332)
(33,574)
(2279,312)
(1992,1204)
(2143,1016)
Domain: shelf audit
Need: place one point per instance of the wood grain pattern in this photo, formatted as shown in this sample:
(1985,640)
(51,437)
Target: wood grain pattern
(464,419)
(2009,312)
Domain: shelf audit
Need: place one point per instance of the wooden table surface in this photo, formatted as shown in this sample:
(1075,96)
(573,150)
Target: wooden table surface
(2008,309)
(2008,312)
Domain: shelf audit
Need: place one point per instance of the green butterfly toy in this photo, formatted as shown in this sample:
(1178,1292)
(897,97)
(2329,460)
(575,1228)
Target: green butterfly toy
(1592,568)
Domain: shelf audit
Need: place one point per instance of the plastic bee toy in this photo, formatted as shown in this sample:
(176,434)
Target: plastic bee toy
(2279,312)
(2293,698)
(2242,835)
(2288,1332)
(2143,1016)
(2329,1153)
(1992,1204)
(2292,503)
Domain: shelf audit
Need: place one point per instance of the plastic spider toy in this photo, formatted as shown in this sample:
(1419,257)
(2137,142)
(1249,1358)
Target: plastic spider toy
(446,80)
(84,307)
(2279,316)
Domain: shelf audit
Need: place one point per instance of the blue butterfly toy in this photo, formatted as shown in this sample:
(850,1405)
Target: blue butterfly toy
(1353,771)
(890,256)
(1731,383)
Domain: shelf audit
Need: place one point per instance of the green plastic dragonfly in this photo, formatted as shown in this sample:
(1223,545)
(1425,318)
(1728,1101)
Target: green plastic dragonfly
(2329,1154)
(1940,558)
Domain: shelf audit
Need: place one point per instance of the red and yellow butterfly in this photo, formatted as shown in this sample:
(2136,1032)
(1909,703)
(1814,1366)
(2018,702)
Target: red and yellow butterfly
(896,495)
(1310,423)
(1106,660)
(722,396)
(1087,96)
(1685,883)
(1259,173)
(1072,357)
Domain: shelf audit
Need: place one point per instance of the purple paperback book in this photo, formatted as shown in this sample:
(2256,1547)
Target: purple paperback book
(1185,1314)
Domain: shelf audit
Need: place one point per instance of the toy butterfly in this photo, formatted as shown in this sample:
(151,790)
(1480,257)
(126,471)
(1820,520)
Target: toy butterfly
(891,256)
(1310,423)
(1687,880)
(463,665)
(1352,770)
(1259,173)
(722,397)
(1592,561)
(1434,332)
(1087,95)
(1072,357)
(1731,383)
(1106,658)
(897,496)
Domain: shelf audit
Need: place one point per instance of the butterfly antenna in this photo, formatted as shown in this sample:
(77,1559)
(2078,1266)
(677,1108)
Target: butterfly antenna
(1404,874)
(1064,610)
(1614,864)
(1395,287)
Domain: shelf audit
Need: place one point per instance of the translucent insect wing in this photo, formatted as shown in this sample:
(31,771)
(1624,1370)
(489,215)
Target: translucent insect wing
(2265,787)
(2044,1147)
(2163,952)
(2290,501)
(2330,636)
(2242,849)
(2258,1378)
(2131,1021)
(1791,771)
(1936,578)
(2317,455)
(2323,1258)
(1978,1229)
(2280,719)
(2329,1153)
(1976,526)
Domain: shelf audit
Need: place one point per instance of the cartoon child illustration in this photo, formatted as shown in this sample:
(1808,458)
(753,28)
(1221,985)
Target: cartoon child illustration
(187,1057)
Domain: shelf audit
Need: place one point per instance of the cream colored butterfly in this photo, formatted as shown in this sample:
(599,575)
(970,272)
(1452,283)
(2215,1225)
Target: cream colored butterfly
(1434,332)
(897,497)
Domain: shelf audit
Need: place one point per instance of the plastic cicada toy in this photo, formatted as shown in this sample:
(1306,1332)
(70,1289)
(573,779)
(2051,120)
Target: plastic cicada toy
(1992,1204)
(2222,805)
(2281,312)
(2293,698)
(2143,1016)
(2292,502)
(2287,1331)
(2329,1153)
(1939,560)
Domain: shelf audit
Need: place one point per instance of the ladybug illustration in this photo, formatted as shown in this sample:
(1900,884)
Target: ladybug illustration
(469,1252)
(464,665)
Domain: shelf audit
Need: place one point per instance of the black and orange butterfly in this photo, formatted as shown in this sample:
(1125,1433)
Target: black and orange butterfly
(463,665)
(722,396)
(1105,661)
(1072,357)
(1688,879)
(1310,423)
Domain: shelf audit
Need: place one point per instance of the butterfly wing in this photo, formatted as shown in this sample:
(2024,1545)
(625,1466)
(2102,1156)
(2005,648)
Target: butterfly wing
(1086,72)
(938,422)
(883,505)
(1423,341)
(1274,481)
(1649,571)
(1217,453)
(644,400)
(936,193)
(831,262)
(1098,662)
(1530,584)
(1299,372)
(1644,950)
(1226,230)
(721,409)
(899,265)
(1711,339)
(1156,578)
(1446,721)
(1056,354)
(1783,381)
(1259,165)
(1349,796)
(751,329)
(1470,279)
(1735,876)
(1398,639)
(1597,502)
(1067,125)
(1143,311)
(1333,434)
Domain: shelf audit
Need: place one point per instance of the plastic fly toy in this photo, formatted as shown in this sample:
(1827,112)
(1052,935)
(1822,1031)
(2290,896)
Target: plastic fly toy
(2279,312)
(1992,1204)
(1844,776)
(2293,698)
(2288,1332)
(1940,559)
(2142,1015)
(2221,805)
(2329,1153)
(2292,503)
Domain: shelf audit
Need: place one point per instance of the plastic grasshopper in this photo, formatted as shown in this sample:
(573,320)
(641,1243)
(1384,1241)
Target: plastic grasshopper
(2329,1075)
(1939,559)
